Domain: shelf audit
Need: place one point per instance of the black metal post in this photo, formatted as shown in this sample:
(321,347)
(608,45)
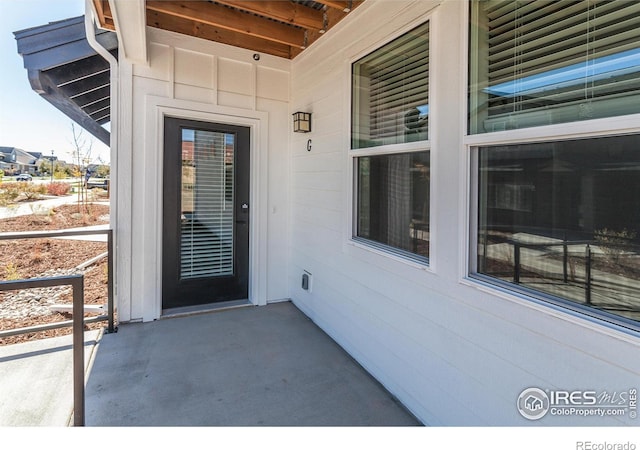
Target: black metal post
(516,263)
(484,252)
(78,351)
(565,260)
(110,306)
(587,265)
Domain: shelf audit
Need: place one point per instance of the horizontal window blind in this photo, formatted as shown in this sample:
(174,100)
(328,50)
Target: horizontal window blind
(556,61)
(391,92)
(207,205)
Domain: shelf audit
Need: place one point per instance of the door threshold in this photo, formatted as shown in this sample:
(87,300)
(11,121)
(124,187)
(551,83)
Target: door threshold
(206,308)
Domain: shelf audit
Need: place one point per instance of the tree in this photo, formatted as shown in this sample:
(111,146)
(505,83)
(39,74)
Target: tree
(103,170)
(45,166)
(81,157)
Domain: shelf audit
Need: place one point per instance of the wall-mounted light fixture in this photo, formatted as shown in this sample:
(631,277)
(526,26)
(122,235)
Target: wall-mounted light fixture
(301,122)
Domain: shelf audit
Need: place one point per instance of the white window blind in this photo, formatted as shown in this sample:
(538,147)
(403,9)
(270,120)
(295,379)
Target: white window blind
(391,92)
(207,204)
(544,62)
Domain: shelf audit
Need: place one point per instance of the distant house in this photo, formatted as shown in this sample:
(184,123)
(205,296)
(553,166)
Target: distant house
(39,159)
(462,215)
(14,160)
(8,160)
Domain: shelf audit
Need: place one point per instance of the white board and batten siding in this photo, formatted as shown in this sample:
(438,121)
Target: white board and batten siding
(454,352)
(201,80)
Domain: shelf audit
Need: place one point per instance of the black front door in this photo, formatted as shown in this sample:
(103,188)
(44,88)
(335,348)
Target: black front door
(206,213)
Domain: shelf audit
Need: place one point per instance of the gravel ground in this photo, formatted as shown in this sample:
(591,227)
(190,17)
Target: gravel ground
(23,259)
(30,303)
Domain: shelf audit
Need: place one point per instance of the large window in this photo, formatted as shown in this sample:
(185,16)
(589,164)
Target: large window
(563,219)
(557,219)
(390,99)
(542,62)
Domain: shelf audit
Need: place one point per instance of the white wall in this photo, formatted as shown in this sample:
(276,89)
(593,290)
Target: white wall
(203,80)
(453,351)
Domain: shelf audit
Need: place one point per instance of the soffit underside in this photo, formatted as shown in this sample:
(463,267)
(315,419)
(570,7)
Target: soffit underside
(276,27)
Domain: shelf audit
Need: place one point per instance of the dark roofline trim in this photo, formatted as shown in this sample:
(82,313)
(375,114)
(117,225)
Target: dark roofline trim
(68,73)
(42,84)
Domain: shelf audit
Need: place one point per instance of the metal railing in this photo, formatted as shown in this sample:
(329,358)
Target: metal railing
(517,266)
(518,271)
(77,323)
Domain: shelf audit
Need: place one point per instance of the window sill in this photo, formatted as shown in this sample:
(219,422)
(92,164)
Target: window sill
(610,126)
(557,307)
(389,254)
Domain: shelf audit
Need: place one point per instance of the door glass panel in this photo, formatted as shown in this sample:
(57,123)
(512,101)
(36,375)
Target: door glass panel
(206,231)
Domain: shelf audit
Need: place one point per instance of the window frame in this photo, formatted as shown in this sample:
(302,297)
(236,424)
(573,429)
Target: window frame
(353,154)
(593,128)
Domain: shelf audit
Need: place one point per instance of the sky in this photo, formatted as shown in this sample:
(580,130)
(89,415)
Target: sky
(27,121)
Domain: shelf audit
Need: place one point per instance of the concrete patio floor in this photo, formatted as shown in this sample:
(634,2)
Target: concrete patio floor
(249,366)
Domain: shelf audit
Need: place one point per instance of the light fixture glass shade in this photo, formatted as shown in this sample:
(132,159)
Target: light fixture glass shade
(301,122)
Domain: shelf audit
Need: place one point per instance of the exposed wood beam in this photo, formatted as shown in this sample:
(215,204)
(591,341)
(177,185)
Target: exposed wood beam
(211,33)
(342,6)
(104,21)
(285,11)
(232,20)
(106,8)
(282,25)
(333,17)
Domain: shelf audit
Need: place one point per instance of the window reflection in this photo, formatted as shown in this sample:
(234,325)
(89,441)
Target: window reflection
(563,218)
(393,201)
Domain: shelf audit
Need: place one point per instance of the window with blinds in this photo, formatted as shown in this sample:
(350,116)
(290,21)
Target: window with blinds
(207,204)
(390,98)
(543,62)
(391,92)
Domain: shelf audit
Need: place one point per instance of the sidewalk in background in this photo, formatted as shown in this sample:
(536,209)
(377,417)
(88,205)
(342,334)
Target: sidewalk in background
(24,209)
